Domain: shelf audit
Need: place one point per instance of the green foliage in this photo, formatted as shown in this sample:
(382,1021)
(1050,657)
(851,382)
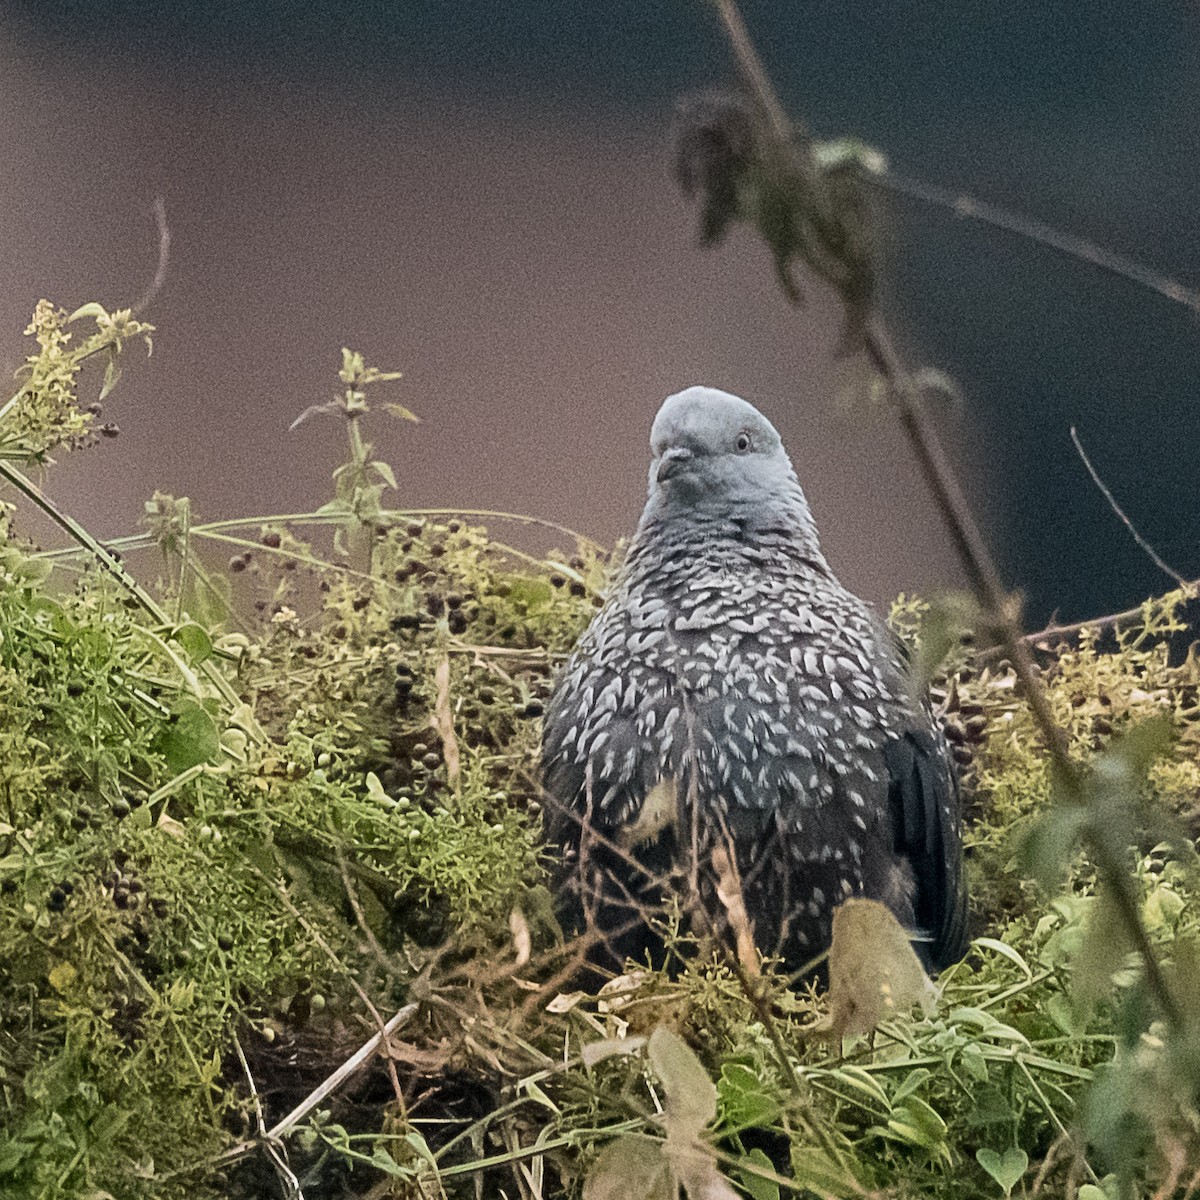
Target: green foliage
(246,811)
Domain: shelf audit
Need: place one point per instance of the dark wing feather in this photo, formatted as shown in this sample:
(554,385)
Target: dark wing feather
(926,822)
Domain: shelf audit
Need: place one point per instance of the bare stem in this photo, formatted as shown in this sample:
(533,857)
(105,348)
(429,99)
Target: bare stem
(972,550)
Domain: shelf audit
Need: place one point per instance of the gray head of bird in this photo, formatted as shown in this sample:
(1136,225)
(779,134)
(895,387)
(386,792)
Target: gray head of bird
(715,455)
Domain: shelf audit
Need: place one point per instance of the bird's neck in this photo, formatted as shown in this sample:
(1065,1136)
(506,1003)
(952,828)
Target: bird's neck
(740,537)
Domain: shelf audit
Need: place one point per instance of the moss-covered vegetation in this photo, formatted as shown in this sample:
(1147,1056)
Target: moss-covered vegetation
(264,784)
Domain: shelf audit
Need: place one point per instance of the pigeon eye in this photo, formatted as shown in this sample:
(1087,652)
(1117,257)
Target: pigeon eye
(742,443)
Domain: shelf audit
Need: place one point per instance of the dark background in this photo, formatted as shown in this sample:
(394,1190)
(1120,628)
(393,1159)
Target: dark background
(479,195)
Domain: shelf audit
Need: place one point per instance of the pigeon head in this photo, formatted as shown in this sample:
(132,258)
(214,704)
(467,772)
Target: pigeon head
(715,454)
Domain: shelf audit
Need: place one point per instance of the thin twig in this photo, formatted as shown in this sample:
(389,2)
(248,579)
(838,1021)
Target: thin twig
(159,209)
(976,559)
(1151,553)
(353,1064)
(368,1003)
(1069,244)
(276,1151)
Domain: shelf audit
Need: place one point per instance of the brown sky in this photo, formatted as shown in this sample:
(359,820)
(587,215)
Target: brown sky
(532,272)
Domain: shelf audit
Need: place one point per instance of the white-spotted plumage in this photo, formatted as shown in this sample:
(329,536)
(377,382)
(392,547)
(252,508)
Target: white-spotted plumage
(730,666)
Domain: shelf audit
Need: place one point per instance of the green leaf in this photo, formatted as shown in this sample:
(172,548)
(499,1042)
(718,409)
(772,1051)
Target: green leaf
(384,471)
(911,1083)
(1048,846)
(88,310)
(112,374)
(191,737)
(998,947)
(745,1102)
(195,642)
(1005,1168)
(813,1168)
(758,1187)
(398,410)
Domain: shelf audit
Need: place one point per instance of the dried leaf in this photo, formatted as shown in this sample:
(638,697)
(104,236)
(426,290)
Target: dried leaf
(691,1097)
(631,1166)
(729,892)
(874,973)
(443,720)
(595,1052)
(518,926)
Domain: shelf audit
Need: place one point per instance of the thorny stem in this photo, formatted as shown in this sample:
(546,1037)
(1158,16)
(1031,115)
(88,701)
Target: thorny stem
(972,550)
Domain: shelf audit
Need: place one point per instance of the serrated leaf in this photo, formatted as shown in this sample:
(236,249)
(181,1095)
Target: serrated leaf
(691,1097)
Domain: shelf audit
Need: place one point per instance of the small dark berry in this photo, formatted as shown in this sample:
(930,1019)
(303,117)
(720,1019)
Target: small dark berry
(121,809)
(436,551)
(159,907)
(121,897)
(238,563)
(454,526)
(272,539)
(415,529)
(557,581)
(360,602)
(405,622)
(454,600)
(534,708)
(404,670)
(436,606)
(74,688)
(225,942)
(419,749)
(487,696)
(457,622)
(431,761)
(57,901)
(576,588)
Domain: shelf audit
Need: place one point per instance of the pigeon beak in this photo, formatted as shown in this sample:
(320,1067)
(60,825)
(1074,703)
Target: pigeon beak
(672,462)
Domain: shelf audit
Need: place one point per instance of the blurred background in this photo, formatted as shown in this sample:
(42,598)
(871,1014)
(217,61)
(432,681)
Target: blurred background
(480,195)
